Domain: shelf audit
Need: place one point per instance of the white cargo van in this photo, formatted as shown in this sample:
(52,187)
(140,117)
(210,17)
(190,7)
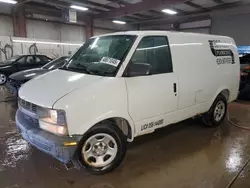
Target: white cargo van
(123,85)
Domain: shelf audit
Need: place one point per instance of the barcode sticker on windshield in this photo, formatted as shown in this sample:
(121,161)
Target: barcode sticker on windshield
(110,61)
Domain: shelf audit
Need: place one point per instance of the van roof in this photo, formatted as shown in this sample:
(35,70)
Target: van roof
(153,32)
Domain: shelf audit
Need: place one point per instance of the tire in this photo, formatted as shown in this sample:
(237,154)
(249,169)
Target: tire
(97,144)
(3,78)
(219,107)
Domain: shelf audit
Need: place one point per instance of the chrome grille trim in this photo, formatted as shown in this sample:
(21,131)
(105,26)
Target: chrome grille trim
(27,105)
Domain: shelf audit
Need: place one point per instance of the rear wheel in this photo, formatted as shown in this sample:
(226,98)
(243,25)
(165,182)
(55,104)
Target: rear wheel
(102,148)
(217,113)
(3,78)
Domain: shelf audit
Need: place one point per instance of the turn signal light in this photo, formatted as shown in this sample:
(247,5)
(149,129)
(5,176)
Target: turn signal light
(247,67)
(70,143)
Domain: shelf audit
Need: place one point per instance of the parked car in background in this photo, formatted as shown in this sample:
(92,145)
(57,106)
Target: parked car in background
(245,62)
(19,63)
(17,79)
(244,90)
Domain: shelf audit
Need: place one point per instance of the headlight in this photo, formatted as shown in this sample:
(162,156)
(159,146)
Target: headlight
(53,121)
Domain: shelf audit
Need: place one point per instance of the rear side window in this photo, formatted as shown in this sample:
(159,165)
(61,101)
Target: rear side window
(154,51)
(38,60)
(44,58)
(21,60)
(30,60)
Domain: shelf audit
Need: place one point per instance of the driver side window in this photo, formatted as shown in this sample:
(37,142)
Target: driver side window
(152,56)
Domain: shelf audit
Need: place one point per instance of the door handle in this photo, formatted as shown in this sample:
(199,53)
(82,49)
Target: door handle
(175,88)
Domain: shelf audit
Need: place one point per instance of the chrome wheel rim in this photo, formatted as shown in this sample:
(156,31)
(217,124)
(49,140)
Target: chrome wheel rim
(2,79)
(219,111)
(99,150)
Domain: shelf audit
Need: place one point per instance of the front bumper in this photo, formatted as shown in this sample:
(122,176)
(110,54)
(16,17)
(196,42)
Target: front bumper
(43,140)
(12,88)
(14,85)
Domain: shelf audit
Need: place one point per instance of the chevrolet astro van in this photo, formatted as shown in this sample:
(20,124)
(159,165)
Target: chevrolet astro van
(122,85)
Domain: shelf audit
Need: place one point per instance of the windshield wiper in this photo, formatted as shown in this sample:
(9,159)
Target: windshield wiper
(79,68)
(75,70)
(85,68)
(101,73)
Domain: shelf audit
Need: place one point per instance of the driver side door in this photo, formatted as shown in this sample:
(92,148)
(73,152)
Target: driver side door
(151,94)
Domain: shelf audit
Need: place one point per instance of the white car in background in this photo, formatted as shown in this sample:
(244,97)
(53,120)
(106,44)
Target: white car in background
(123,85)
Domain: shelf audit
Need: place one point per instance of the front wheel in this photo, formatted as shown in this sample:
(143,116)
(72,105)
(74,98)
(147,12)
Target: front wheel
(102,148)
(217,113)
(3,78)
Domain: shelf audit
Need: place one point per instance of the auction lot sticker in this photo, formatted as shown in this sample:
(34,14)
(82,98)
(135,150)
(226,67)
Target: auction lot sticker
(110,61)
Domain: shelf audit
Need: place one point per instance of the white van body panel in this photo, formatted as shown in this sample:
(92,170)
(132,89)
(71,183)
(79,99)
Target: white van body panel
(199,81)
(200,78)
(104,99)
(146,102)
(57,83)
(153,98)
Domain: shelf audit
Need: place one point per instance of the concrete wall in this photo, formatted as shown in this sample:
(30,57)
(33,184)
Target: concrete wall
(51,48)
(54,31)
(197,30)
(6,26)
(109,25)
(164,26)
(202,26)
(101,31)
(231,21)
(236,26)
(50,32)
(57,31)
(5,8)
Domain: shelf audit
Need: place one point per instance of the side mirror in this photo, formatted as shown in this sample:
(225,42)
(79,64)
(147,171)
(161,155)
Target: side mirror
(139,69)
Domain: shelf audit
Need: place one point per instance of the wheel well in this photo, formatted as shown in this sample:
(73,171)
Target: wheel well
(123,124)
(225,93)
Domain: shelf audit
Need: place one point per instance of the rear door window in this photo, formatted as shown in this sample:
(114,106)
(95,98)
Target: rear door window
(44,58)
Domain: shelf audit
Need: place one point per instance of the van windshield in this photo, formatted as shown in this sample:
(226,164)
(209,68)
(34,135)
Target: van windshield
(101,55)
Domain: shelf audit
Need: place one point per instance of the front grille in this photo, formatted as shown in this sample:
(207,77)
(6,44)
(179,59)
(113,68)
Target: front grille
(34,108)
(27,105)
(32,120)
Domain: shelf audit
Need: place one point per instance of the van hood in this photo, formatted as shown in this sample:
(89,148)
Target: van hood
(46,89)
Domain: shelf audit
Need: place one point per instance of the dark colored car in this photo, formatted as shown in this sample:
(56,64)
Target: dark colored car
(19,63)
(244,90)
(17,79)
